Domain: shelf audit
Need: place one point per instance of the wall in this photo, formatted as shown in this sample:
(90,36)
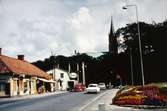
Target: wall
(14,86)
(33,89)
(58,78)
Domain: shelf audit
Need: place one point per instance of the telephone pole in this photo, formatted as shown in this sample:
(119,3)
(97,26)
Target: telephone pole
(69,67)
(83,73)
(78,72)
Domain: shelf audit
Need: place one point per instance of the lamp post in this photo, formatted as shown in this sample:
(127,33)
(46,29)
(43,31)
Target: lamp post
(131,60)
(140,49)
(131,66)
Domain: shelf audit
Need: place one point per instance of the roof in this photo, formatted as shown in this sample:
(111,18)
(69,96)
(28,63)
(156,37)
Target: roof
(22,67)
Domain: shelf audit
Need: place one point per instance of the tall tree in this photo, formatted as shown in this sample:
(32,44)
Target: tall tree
(153,44)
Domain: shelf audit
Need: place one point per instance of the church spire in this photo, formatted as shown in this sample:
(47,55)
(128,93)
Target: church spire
(112,27)
(112,39)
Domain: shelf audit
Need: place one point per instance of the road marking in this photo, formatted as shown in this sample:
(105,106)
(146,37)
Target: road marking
(93,100)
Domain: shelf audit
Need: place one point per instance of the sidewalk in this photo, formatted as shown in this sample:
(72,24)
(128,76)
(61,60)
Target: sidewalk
(17,98)
(106,100)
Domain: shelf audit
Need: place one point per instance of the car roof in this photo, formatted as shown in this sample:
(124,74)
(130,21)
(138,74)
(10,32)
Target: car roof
(93,84)
(101,83)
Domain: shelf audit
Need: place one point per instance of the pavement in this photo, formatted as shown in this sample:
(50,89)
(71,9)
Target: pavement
(104,103)
(18,98)
(103,99)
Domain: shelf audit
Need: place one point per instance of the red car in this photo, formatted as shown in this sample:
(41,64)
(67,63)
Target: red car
(79,88)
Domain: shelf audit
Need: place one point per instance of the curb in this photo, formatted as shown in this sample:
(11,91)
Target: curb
(19,98)
(143,106)
(149,107)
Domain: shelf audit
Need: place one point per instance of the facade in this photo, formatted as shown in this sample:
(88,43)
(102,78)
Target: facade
(18,77)
(61,77)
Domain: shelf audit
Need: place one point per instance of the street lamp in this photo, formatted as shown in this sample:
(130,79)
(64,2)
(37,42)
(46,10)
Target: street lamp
(131,65)
(131,61)
(140,50)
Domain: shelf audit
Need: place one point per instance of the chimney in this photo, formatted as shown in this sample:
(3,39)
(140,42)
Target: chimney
(21,57)
(0,51)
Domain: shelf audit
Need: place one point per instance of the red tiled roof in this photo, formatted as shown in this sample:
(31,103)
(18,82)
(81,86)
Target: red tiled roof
(21,67)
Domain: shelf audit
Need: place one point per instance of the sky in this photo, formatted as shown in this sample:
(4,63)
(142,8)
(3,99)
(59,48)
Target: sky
(39,28)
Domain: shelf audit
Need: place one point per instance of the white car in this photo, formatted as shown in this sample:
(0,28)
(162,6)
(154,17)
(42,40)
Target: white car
(93,88)
(102,86)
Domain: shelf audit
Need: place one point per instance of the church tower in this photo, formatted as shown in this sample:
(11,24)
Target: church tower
(112,40)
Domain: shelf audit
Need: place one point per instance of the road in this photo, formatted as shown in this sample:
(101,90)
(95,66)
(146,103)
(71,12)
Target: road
(71,101)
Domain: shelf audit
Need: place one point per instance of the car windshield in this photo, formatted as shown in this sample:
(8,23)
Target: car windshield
(101,84)
(92,85)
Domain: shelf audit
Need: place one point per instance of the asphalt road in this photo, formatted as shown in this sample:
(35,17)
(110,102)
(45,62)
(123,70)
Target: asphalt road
(71,101)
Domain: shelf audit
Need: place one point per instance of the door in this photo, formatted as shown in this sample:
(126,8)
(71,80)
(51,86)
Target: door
(7,89)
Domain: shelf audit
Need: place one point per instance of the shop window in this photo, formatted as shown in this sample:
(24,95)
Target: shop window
(2,87)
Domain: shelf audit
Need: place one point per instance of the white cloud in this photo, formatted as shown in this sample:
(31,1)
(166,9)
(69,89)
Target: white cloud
(81,19)
(82,25)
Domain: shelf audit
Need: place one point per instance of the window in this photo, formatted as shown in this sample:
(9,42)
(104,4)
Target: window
(2,87)
(26,86)
(61,75)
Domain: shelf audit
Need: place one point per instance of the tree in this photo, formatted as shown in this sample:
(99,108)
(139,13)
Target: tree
(153,48)
(99,69)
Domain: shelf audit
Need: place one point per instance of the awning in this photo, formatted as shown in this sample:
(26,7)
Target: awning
(45,80)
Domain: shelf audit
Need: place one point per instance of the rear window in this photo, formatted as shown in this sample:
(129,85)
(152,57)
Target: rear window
(101,83)
(92,85)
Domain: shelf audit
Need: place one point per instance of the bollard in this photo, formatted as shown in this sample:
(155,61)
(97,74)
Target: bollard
(101,107)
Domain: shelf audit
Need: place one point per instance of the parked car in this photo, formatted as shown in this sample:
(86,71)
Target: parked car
(79,88)
(102,86)
(93,88)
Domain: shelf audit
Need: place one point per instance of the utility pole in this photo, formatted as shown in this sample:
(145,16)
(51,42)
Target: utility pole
(54,74)
(53,71)
(78,72)
(69,67)
(83,73)
(131,66)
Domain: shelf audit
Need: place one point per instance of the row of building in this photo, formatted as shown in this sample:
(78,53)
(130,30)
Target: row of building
(19,77)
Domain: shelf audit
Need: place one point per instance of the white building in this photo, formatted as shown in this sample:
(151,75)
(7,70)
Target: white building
(61,77)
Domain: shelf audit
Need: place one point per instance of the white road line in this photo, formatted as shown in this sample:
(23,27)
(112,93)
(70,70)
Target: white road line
(93,100)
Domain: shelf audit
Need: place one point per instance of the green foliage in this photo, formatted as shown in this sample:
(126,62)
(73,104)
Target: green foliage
(96,69)
(153,38)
